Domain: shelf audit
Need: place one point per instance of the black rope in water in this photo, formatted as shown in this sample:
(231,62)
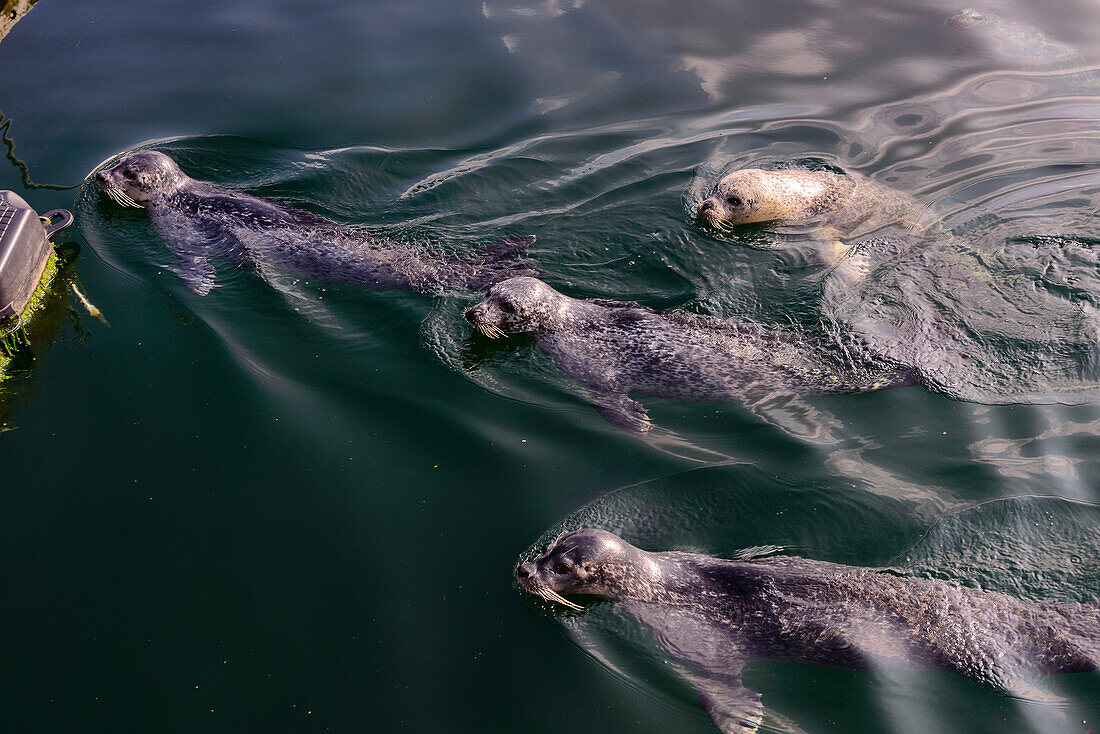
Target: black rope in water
(5,128)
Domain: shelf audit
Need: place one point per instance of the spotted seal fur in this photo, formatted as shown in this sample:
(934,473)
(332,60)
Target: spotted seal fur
(714,615)
(845,202)
(202,220)
(616,347)
(843,208)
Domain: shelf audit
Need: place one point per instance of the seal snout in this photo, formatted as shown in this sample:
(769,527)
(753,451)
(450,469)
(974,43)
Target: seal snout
(478,315)
(525,570)
(708,211)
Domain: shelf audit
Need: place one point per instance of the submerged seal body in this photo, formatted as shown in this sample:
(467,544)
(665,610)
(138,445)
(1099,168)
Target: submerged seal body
(845,209)
(615,347)
(714,615)
(843,202)
(203,221)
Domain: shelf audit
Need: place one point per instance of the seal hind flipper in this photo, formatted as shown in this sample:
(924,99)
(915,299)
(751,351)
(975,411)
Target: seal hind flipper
(510,246)
(501,260)
(1027,690)
(620,411)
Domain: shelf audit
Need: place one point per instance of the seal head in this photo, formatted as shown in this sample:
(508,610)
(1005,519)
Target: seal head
(520,305)
(590,562)
(140,178)
(739,198)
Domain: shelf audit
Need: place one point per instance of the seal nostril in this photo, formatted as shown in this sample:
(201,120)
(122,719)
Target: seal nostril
(522,571)
(469,315)
(706,206)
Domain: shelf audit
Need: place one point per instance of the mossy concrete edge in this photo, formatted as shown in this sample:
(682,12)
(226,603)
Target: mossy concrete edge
(37,304)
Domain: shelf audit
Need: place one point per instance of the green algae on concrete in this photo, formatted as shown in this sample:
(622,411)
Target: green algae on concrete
(35,326)
(42,319)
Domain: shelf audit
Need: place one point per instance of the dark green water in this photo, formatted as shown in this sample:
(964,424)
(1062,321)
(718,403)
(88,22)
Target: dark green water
(295,507)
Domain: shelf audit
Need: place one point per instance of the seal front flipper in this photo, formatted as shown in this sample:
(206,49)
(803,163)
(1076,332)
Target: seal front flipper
(622,412)
(196,272)
(714,655)
(193,241)
(733,708)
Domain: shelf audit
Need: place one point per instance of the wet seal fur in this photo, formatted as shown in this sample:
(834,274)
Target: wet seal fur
(615,347)
(844,207)
(202,220)
(842,201)
(714,615)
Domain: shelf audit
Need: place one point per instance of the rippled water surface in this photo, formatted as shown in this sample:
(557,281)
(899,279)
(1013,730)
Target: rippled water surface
(296,506)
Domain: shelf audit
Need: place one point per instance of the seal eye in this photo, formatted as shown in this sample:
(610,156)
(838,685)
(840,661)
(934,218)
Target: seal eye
(507,307)
(562,568)
(129,175)
(735,201)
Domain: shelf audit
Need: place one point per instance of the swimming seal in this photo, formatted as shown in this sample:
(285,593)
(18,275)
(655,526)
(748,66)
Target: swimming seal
(844,202)
(714,615)
(615,347)
(202,220)
(844,209)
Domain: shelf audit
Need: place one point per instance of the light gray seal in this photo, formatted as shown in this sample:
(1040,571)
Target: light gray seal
(714,615)
(841,209)
(201,221)
(616,347)
(841,201)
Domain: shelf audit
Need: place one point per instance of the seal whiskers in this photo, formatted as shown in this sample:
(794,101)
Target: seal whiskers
(491,331)
(120,198)
(550,595)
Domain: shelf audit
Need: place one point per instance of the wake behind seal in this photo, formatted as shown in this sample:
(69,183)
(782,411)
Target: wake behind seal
(202,222)
(714,615)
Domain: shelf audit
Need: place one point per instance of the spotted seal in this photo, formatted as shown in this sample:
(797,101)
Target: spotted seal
(714,615)
(845,202)
(616,347)
(843,208)
(202,220)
